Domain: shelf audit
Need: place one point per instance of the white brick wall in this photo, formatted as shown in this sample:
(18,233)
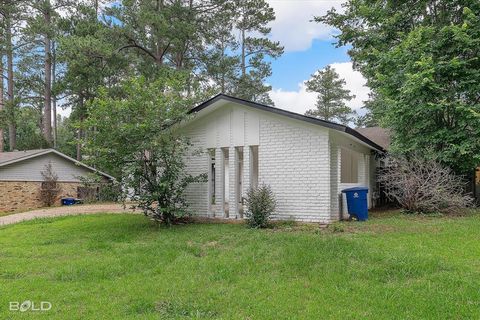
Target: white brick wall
(335,164)
(219,182)
(294,161)
(197,163)
(300,161)
(233,182)
(246,170)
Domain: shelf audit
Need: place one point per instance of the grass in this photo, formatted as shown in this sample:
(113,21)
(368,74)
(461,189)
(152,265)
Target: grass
(123,267)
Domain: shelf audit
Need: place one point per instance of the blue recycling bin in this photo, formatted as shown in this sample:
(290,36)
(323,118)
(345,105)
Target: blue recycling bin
(68,201)
(357,202)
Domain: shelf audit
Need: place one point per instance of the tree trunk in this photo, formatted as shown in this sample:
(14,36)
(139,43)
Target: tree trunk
(54,97)
(47,109)
(222,78)
(1,102)
(79,145)
(244,68)
(159,50)
(80,132)
(12,129)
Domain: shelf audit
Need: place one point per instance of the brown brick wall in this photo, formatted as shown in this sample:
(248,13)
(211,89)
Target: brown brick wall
(19,195)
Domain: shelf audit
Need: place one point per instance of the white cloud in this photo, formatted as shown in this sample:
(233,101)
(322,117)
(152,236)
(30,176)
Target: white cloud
(300,101)
(356,83)
(293,26)
(64,112)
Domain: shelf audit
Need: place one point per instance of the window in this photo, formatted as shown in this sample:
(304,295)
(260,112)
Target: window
(211,154)
(349,167)
(254,166)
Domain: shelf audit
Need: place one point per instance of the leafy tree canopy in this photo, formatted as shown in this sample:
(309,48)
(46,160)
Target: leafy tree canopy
(134,139)
(421,60)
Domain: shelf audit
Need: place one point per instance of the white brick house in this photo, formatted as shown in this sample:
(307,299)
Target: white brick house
(306,161)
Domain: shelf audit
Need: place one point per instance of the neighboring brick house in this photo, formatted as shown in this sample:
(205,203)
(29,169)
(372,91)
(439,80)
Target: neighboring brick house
(21,177)
(306,161)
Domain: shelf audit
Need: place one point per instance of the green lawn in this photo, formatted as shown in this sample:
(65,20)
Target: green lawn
(123,267)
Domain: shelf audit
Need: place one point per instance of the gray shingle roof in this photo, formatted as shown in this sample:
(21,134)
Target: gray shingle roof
(18,155)
(380,136)
(7,158)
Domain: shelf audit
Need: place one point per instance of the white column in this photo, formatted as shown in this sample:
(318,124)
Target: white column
(339,180)
(233,183)
(246,175)
(338,174)
(333,161)
(210,192)
(247,169)
(219,183)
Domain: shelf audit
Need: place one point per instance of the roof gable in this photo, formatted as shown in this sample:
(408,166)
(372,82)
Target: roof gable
(293,115)
(14,156)
(8,158)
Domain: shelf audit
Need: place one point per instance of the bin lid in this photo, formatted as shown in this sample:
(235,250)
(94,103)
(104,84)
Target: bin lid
(355,189)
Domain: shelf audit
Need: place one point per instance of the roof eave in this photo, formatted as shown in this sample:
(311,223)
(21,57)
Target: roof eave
(324,123)
(40,153)
(47,151)
(83,165)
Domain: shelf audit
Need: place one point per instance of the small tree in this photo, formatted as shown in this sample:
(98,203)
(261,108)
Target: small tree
(331,98)
(261,204)
(135,139)
(158,179)
(424,185)
(50,188)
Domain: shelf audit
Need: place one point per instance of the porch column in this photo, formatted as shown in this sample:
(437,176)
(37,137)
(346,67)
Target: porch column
(210,192)
(247,169)
(233,183)
(337,174)
(219,183)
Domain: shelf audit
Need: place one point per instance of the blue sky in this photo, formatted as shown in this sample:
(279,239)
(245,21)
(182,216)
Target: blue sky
(296,66)
(309,46)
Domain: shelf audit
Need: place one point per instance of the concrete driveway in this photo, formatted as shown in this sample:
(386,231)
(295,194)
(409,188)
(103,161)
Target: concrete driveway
(65,211)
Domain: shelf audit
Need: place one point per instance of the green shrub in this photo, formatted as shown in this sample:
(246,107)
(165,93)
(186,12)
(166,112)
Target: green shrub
(261,204)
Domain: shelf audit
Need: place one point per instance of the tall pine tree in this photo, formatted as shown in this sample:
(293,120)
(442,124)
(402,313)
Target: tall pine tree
(2,116)
(90,59)
(10,12)
(252,19)
(332,96)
